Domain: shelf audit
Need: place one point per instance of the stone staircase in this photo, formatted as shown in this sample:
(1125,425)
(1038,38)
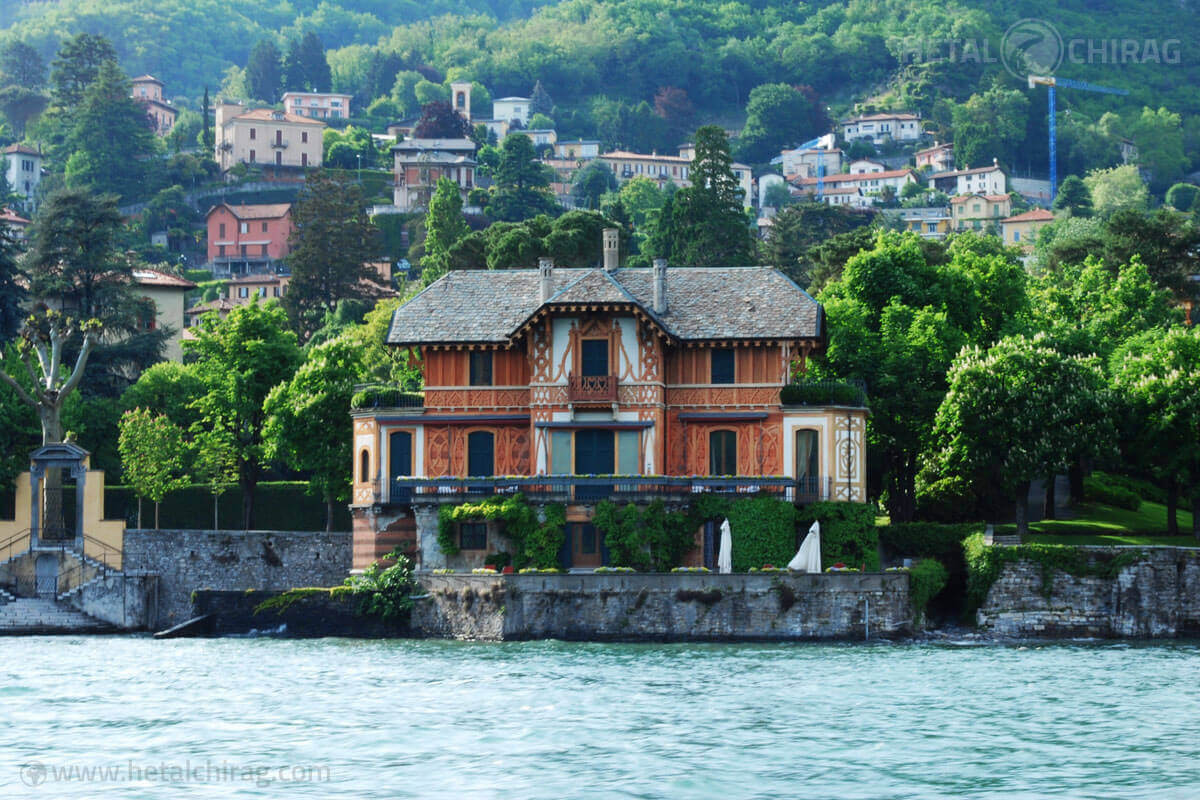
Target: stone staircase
(37,615)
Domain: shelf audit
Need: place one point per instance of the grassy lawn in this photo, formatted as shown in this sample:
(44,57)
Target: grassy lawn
(1107,525)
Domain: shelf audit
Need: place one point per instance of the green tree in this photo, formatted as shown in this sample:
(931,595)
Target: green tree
(167,388)
(1017,411)
(1182,197)
(152,457)
(1116,189)
(439,120)
(264,71)
(1159,139)
(215,464)
(444,227)
(591,181)
(19,105)
(710,226)
(990,125)
(1167,242)
(308,420)
(798,229)
(111,138)
(240,359)
(1073,197)
(540,101)
(522,183)
(1157,374)
(332,242)
(12,287)
(77,66)
(777,116)
(22,65)
(305,67)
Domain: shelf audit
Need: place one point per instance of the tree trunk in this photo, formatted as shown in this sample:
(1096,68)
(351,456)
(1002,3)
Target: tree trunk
(1196,511)
(1022,510)
(139,512)
(1048,504)
(216,497)
(328,514)
(248,481)
(156,527)
(1173,508)
(1075,476)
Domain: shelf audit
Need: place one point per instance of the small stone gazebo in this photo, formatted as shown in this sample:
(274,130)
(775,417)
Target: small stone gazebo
(56,512)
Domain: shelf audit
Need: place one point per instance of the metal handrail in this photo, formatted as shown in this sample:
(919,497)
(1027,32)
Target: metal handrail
(7,545)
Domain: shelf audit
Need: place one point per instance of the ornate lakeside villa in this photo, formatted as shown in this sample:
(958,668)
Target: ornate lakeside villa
(579,385)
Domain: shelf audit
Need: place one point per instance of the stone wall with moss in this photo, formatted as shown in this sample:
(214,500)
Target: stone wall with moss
(1156,594)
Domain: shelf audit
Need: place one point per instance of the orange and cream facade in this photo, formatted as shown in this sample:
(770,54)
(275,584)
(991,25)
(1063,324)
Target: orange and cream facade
(579,385)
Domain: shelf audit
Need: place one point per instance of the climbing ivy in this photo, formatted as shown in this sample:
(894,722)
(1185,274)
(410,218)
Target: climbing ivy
(984,563)
(645,539)
(848,533)
(535,542)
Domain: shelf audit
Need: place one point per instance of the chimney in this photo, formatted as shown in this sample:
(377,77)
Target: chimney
(660,286)
(611,249)
(545,279)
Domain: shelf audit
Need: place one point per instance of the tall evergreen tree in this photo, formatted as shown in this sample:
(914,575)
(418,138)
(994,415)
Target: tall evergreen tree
(332,242)
(77,66)
(540,102)
(206,134)
(522,183)
(112,138)
(711,228)
(444,227)
(12,287)
(264,72)
(22,66)
(305,68)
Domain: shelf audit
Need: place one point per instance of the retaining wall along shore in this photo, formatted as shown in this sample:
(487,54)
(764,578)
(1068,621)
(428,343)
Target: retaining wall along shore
(1156,596)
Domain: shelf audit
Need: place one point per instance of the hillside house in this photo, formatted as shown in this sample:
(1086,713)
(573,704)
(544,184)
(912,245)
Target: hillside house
(167,294)
(282,144)
(864,166)
(418,163)
(807,162)
(577,149)
(929,223)
(1021,230)
(512,109)
(879,128)
(248,239)
(939,158)
(870,184)
(23,168)
(579,385)
(663,169)
(14,222)
(980,212)
(317,105)
(980,180)
(148,90)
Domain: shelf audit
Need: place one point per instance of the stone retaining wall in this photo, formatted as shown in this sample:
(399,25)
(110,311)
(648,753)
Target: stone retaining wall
(189,560)
(1159,596)
(686,607)
(316,616)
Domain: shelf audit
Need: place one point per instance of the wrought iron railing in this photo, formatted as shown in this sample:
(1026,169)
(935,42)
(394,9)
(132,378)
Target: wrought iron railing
(592,389)
(593,488)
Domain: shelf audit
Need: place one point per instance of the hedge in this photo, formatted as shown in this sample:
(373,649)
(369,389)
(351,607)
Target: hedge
(763,531)
(1142,488)
(822,393)
(848,533)
(278,505)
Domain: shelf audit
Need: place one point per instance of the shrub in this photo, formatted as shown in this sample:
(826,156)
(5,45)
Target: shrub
(644,539)
(1142,488)
(931,540)
(822,393)
(848,534)
(1099,489)
(386,592)
(926,579)
(535,542)
(386,397)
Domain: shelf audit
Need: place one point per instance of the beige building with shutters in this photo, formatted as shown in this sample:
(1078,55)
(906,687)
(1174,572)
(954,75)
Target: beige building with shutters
(267,138)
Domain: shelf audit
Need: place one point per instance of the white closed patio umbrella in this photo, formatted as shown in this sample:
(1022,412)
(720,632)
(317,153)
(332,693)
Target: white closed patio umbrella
(808,558)
(725,554)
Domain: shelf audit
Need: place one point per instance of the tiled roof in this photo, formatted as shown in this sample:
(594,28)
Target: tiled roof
(152,277)
(146,79)
(1035,215)
(12,217)
(489,306)
(991,198)
(23,149)
(873,117)
(267,211)
(271,115)
(855,176)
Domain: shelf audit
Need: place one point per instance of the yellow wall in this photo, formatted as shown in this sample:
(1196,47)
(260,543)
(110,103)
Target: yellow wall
(106,532)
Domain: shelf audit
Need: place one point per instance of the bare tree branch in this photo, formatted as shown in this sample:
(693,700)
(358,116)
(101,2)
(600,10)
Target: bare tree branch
(21,393)
(89,339)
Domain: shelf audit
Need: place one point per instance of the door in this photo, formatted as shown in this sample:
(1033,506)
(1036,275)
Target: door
(586,545)
(46,571)
(399,462)
(593,357)
(480,454)
(595,454)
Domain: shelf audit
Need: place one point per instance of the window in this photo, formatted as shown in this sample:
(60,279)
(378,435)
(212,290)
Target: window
(221,227)
(593,357)
(244,227)
(253,134)
(364,464)
(243,249)
(303,137)
(264,227)
(1016,236)
(278,158)
(251,156)
(481,368)
(722,365)
(480,454)
(807,455)
(220,251)
(722,453)
(243,291)
(472,536)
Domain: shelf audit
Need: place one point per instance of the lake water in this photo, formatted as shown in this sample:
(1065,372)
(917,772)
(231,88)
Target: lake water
(134,717)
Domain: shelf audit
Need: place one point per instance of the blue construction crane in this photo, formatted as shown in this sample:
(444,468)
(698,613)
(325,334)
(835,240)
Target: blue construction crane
(1051,82)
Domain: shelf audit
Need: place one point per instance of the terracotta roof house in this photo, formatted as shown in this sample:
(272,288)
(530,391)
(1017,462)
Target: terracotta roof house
(148,90)
(579,385)
(248,239)
(167,292)
(282,144)
(1021,230)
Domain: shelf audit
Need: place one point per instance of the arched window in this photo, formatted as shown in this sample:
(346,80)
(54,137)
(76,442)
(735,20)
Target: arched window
(364,466)
(722,453)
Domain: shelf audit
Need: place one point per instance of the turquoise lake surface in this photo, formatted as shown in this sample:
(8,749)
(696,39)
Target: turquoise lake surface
(98,717)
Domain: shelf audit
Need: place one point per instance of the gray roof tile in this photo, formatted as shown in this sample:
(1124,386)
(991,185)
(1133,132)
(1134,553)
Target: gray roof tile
(487,306)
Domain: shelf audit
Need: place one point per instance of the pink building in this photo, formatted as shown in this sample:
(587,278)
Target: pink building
(147,90)
(245,240)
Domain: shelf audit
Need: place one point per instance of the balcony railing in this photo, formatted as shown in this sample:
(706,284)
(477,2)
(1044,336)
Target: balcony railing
(385,395)
(280,143)
(594,488)
(592,389)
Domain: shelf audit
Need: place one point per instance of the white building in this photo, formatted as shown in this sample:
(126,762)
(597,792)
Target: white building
(899,127)
(507,109)
(806,162)
(671,169)
(318,105)
(980,180)
(869,183)
(23,168)
(862,166)
(581,149)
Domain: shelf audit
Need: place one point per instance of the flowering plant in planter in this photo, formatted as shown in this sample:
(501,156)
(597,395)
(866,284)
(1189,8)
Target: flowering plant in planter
(443,571)
(609,570)
(691,569)
(484,571)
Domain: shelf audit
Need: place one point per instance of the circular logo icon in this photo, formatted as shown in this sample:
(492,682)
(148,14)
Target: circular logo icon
(33,774)
(1031,47)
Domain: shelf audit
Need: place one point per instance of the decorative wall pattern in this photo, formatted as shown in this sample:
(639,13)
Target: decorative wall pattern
(724,397)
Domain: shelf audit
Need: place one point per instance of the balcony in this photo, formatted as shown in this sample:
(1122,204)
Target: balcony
(592,389)
(594,488)
(385,395)
(280,143)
